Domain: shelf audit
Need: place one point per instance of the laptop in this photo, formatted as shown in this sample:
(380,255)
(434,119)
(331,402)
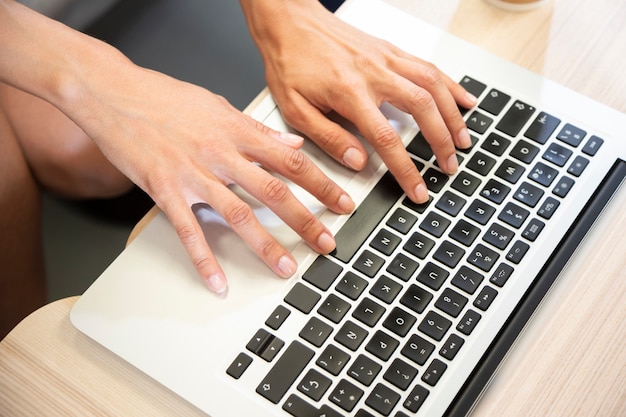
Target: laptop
(419,304)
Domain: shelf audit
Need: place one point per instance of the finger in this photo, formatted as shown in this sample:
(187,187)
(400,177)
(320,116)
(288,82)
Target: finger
(277,196)
(444,92)
(375,127)
(191,236)
(331,137)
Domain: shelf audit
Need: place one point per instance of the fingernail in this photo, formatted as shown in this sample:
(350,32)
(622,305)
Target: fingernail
(345,203)
(326,242)
(217,284)
(353,158)
(452,164)
(289,139)
(465,141)
(471,98)
(421,193)
(287,266)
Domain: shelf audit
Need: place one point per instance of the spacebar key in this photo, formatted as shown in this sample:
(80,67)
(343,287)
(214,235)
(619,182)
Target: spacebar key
(285,372)
(366,217)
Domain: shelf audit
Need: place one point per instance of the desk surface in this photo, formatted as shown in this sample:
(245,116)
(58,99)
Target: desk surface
(573,364)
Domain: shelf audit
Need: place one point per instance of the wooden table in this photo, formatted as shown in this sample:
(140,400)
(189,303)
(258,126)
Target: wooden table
(572,364)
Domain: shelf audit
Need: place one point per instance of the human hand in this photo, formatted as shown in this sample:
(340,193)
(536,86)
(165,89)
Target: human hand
(315,64)
(184,145)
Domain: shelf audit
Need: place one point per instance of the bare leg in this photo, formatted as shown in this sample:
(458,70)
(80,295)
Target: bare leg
(22,281)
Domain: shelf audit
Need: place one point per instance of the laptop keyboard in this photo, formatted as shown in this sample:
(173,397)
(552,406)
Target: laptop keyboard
(409,283)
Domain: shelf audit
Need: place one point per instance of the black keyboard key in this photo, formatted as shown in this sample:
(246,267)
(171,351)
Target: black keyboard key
(368,263)
(239,365)
(434,372)
(364,370)
(513,215)
(420,147)
(485,298)
(515,118)
(499,236)
(548,207)
(382,345)
(418,349)
(285,372)
(528,194)
(524,151)
(517,251)
(400,374)
(494,102)
(450,203)
(472,86)
(501,274)
(419,245)
(467,279)
(543,174)
(316,331)
(333,360)
(366,217)
(433,276)
(346,395)
(399,321)
(368,312)
(542,128)
(402,267)
(532,230)
(466,183)
(510,171)
(449,254)
(302,297)
(495,191)
(383,399)
(481,163)
(351,285)
(278,317)
(578,166)
(468,322)
(435,224)
(416,298)
(322,273)
(480,212)
(571,135)
(496,144)
(478,122)
(464,232)
(434,325)
(483,257)
(386,289)
(557,154)
(435,179)
(451,347)
(265,345)
(418,208)
(334,308)
(401,220)
(593,145)
(351,335)
(451,302)
(385,242)
(314,385)
(416,398)
(563,187)
(298,407)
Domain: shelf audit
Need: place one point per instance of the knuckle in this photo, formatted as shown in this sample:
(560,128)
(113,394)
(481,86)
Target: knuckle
(328,138)
(267,247)
(238,214)
(386,137)
(274,190)
(295,161)
(420,98)
(431,75)
(308,223)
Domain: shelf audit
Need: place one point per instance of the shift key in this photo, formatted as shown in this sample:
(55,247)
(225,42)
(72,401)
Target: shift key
(285,372)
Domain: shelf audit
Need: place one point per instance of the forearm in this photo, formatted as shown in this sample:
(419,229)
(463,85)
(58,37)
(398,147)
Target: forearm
(48,59)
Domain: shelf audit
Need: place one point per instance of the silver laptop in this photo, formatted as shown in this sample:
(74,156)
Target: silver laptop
(413,312)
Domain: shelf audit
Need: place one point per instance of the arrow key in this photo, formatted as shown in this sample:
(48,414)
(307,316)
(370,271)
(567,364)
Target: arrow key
(239,365)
